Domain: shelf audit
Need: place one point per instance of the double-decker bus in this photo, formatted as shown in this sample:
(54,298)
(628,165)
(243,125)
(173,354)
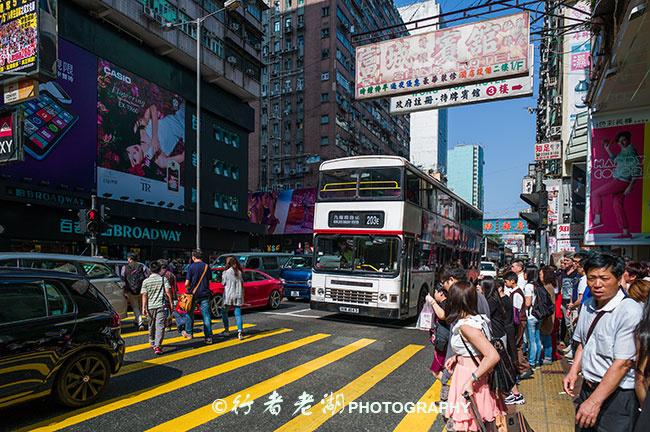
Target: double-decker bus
(382,230)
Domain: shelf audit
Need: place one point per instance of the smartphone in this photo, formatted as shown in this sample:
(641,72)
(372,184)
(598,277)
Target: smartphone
(46,122)
(173,175)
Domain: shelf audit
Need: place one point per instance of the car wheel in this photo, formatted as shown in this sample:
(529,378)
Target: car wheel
(216,304)
(82,379)
(275,299)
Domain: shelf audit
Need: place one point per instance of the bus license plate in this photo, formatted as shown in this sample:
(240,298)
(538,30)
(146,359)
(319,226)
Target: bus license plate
(349,309)
(295,293)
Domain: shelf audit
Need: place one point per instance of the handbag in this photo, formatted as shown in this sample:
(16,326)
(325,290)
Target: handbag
(185,300)
(425,320)
(502,377)
(442,337)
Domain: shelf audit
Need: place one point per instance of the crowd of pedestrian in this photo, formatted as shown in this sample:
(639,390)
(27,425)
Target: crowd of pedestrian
(154,293)
(592,311)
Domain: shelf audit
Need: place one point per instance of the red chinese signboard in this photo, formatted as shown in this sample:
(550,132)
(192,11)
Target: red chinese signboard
(548,151)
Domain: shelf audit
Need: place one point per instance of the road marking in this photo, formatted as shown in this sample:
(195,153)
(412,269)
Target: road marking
(147,345)
(350,392)
(81,415)
(291,312)
(168,358)
(146,332)
(205,414)
(421,421)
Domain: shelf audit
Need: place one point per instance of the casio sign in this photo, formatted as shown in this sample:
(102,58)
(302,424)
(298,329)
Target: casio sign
(119,75)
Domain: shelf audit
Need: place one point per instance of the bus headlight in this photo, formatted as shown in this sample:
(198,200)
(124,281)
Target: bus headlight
(283,281)
(383,298)
(321,291)
(309,283)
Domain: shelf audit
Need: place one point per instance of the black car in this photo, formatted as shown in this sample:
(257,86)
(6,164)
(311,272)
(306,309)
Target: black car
(58,335)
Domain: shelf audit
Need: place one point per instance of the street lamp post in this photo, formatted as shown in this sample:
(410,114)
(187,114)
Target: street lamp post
(229,5)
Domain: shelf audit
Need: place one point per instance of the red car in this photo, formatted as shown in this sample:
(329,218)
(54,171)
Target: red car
(260,290)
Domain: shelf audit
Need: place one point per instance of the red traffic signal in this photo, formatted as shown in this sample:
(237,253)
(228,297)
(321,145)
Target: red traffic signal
(92,215)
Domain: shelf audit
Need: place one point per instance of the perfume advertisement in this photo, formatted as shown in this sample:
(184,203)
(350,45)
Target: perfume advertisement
(577,58)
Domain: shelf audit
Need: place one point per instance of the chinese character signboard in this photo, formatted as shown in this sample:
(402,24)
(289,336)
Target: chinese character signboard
(504,226)
(462,95)
(548,151)
(618,180)
(570,231)
(482,51)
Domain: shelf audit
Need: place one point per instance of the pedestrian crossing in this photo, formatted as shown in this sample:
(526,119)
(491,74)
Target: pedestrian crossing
(328,354)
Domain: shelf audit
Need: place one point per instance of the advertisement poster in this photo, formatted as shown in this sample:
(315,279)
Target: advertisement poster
(618,183)
(285,212)
(11,149)
(485,50)
(60,126)
(516,243)
(553,189)
(18,35)
(141,139)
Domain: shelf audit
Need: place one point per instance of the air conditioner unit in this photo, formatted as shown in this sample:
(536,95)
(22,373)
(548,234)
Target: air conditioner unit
(557,100)
(234,26)
(232,59)
(250,72)
(552,82)
(258,46)
(276,170)
(305,169)
(263,94)
(292,172)
(556,130)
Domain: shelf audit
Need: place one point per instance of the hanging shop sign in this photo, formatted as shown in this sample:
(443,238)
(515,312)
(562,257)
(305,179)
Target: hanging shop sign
(548,151)
(483,51)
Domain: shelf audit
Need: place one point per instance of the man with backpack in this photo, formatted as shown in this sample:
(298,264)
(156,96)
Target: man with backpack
(516,293)
(197,283)
(133,274)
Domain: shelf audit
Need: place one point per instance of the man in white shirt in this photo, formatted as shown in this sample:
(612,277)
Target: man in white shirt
(517,266)
(606,350)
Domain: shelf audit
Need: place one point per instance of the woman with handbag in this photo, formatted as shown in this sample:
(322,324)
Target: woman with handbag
(233,295)
(473,360)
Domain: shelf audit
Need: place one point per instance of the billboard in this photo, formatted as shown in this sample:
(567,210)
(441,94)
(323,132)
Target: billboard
(618,180)
(19,36)
(60,126)
(576,61)
(505,226)
(285,212)
(548,151)
(481,51)
(140,139)
(11,148)
(553,187)
(515,242)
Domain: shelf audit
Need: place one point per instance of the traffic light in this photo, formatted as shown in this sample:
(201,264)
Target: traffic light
(83,221)
(92,221)
(537,218)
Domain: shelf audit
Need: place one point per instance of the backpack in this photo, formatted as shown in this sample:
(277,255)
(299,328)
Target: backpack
(544,306)
(518,314)
(134,278)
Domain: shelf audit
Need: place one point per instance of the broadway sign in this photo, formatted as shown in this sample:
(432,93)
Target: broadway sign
(482,51)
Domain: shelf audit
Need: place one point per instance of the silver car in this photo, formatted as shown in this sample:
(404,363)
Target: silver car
(101,274)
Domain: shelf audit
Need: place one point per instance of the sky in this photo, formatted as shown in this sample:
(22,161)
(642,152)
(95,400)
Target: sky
(505,129)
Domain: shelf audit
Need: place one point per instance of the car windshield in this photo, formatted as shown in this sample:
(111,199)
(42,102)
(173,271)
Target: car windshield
(221,261)
(487,267)
(358,254)
(216,275)
(299,262)
(364,183)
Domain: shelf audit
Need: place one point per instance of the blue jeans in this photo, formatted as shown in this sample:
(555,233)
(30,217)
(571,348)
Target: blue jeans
(204,304)
(238,320)
(182,322)
(547,342)
(534,341)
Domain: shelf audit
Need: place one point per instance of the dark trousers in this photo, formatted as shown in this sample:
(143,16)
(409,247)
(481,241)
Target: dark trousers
(522,360)
(618,413)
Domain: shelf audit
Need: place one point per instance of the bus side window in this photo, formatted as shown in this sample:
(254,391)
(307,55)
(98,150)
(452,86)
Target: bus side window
(412,188)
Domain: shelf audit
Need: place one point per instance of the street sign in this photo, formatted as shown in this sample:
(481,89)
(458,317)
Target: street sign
(480,51)
(548,151)
(20,91)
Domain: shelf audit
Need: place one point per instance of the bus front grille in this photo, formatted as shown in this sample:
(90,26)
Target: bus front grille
(350,296)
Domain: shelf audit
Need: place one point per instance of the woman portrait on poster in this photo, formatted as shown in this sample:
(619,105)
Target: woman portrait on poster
(624,174)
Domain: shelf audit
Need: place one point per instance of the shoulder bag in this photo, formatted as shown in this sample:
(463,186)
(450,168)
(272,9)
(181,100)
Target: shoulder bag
(185,300)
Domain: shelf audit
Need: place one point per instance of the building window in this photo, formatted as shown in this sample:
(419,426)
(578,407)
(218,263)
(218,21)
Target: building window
(324,97)
(235,173)
(287,22)
(218,167)
(276,26)
(325,11)
(324,140)
(324,119)
(287,4)
(324,33)
(325,76)
(216,202)
(324,53)
(226,170)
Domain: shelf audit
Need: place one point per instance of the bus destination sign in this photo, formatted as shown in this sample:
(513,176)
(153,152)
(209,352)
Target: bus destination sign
(356,219)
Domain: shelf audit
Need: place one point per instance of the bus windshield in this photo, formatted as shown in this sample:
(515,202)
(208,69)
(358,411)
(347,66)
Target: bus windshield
(363,183)
(358,254)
